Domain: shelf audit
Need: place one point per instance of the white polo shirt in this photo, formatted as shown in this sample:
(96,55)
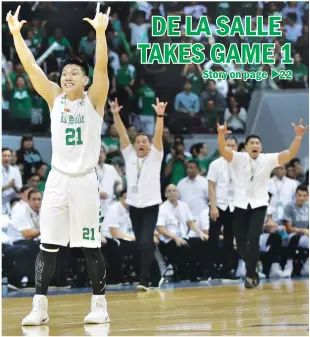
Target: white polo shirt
(283,191)
(143,190)
(243,168)
(26,219)
(220,173)
(194,193)
(108,177)
(117,216)
(9,194)
(174,219)
(204,220)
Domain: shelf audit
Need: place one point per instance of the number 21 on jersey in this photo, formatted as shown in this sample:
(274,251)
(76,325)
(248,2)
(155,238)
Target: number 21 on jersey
(74,136)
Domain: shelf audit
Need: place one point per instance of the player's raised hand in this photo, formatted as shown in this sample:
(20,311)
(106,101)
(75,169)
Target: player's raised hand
(101,21)
(223,128)
(160,107)
(299,129)
(115,108)
(14,25)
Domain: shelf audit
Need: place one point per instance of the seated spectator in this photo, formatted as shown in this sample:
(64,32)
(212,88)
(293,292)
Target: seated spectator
(33,43)
(235,116)
(11,181)
(296,221)
(22,204)
(211,116)
(177,165)
(111,142)
(212,94)
(34,181)
(64,47)
(300,175)
(117,229)
(294,7)
(193,189)
(174,222)
(114,61)
(176,141)
(146,96)
(193,72)
(20,112)
(200,155)
(109,182)
(292,28)
(139,29)
(291,173)
(16,261)
(132,132)
(19,72)
(29,157)
(300,73)
(14,160)
(282,191)
(221,85)
(88,46)
(302,45)
(41,172)
(186,101)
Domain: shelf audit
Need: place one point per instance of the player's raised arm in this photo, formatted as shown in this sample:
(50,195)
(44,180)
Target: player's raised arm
(120,127)
(285,156)
(159,108)
(99,89)
(47,89)
(225,151)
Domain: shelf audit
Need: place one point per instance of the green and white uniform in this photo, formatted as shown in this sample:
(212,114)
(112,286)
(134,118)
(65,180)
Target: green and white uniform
(70,209)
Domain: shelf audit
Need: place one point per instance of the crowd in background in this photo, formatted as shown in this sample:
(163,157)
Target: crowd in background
(195,106)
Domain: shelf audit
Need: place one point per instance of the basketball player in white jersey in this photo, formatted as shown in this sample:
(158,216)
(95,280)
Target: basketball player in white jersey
(71,204)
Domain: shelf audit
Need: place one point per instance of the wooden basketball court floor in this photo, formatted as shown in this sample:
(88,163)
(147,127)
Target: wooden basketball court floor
(279,308)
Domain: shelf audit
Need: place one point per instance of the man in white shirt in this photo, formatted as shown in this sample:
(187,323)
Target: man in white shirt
(11,181)
(117,229)
(296,221)
(143,161)
(193,189)
(174,222)
(282,190)
(23,202)
(221,192)
(109,181)
(250,175)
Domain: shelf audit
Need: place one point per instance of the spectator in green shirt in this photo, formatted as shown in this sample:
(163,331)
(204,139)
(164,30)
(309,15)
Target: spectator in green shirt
(146,96)
(41,172)
(200,154)
(20,106)
(64,45)
(194,73)
(132,132)
(111,143)
(177,165)
(300,73)
(19,71)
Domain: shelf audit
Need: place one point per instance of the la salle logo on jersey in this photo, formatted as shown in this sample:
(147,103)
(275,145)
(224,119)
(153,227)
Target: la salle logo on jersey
(78,119)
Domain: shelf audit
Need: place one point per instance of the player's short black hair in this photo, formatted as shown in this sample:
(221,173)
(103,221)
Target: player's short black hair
(302,188)
(34,191)
(6,149)
(77,61)
(251,137)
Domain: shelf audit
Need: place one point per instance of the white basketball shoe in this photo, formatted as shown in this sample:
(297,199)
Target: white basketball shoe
(98,310)
(38,314)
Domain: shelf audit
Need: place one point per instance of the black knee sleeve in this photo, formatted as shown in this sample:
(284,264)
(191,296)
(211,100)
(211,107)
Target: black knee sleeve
(96,269)
(45,267)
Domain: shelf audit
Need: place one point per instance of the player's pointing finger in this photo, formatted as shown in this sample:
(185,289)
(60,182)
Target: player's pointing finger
(17,11)
(108,12)
(98,8)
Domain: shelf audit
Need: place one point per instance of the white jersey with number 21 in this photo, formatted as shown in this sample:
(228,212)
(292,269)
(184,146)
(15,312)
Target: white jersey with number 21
(76,135)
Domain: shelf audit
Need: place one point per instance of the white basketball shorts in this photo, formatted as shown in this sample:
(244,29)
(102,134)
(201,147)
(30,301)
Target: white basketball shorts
(70,210)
